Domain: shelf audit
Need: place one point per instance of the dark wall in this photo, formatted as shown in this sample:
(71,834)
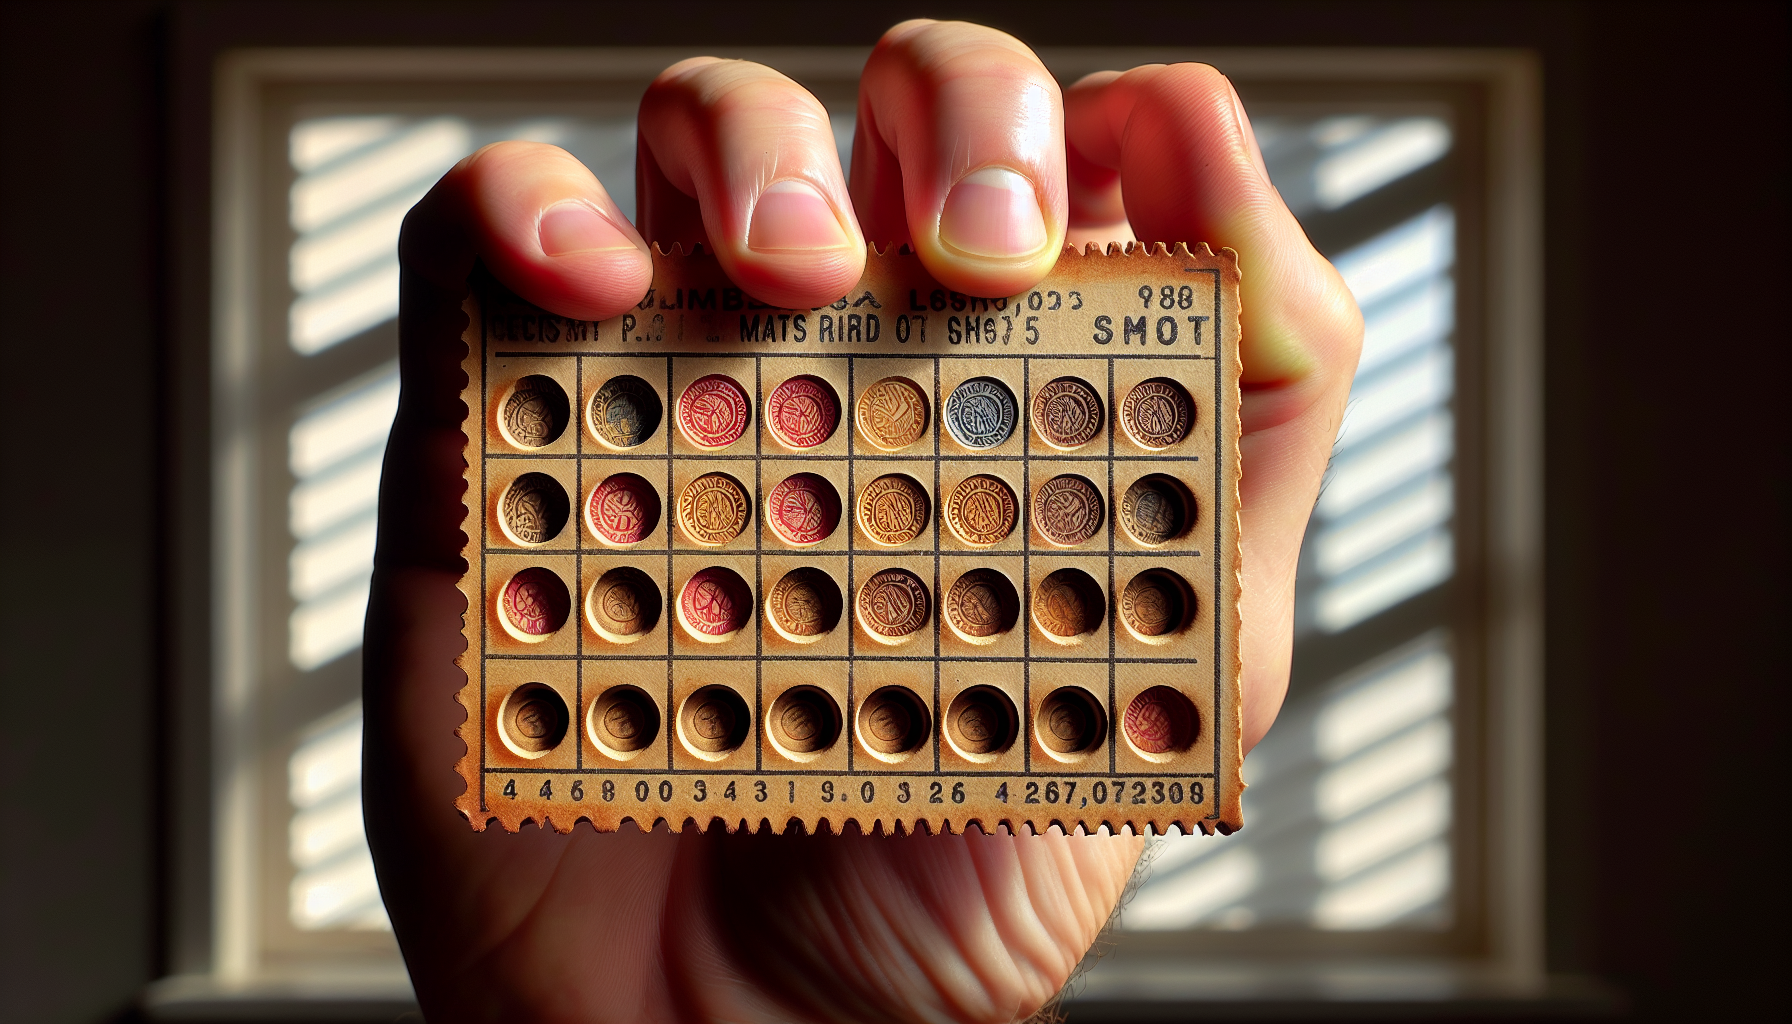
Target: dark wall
(1666,419)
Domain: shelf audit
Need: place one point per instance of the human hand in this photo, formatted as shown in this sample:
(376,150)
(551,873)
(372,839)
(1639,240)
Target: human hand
(961,152)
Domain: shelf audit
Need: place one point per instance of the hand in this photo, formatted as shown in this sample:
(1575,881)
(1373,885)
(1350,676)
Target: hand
(967,150)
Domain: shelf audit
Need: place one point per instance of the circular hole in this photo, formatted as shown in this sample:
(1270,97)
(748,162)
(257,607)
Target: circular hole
(713,722)
(713,411)
(533,605)
(802,412)
(803,509)
(713,509)
(893,509)
(893,723)
(1161,723)
(1068,606)
(981,412)
(982,510)
(623,605)
(532,720)
(1157,605)
(715,604)
(1157,509)
(1157,413)
(623,721)
(804,722)
(1067,413)
(1068,510)
(625,412)
(1071,724)
(893,605)
(533,509)
(623,510)
(534,413)
(892,413)
(981,723)
(804,606)
(981,606)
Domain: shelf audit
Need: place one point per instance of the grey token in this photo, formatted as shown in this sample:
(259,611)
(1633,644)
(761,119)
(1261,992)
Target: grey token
(981,412)
(625,411)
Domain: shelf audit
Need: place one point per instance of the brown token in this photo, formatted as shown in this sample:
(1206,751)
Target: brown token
(1071,721)
(534,508)
(625,411)
(535,603)
(624,509)
(1067,413)
(623,605)
(803,411)
(892,413)
(982,603)
(714,720)
(1156,509)
(712,412)
(713,509)
(893,603)
(805,720)
(893,509)
(893,721)
(982,510)
(1155,603)
(803,509)
(535,718)
(535,414)
(1067,605)
(1161,720)
(1067,510)
(981,720)
(1157,413)
(624,719)
(805,604)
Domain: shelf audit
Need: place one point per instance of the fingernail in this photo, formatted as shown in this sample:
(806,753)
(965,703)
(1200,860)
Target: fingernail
(792,215)
(574,227)
(993,212)
(1245,133)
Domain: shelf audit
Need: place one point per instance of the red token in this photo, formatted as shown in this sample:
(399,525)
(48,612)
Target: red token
(624,509)
(1160,720)
(712,412)
(803,509)
(536,602)
(803,411)
(716,602)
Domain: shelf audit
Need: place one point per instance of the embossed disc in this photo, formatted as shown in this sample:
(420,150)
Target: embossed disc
(1067,510)
(982,603)
(715,603)
(624,509)
(802,412)
(712,412)
(1161,720)
(1155,603)
(981,412)
(893,509)
(624,719)
(805,720)
(893,721)
(803,509)
(1157,413)
(893,413)
(625,411)
(805,603)
(534,508)
(981,720)
(1156,509)
(713,509)
(1067,412)
(893,603)
(1068,605)
(982,510)
(714,720)
(536,412)
(535,602)
(1071,721)
(623,605)
(535,718)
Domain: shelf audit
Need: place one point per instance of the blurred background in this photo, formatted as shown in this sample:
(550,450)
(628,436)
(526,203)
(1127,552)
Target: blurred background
(1533,748)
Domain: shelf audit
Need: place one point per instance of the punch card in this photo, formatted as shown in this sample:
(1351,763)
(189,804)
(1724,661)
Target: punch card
(914,560)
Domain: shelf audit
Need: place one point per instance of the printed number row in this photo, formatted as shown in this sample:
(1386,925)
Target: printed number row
(1065,793)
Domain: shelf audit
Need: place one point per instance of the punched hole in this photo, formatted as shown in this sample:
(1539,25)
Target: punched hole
(623,605)
(981,723)
(623,721)
(893,723)
(804,722)
(533,509)
(1071,723)
(1068,606)
(532,720)
(713,722)
(535,412)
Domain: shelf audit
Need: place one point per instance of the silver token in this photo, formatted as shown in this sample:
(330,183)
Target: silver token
(981,412)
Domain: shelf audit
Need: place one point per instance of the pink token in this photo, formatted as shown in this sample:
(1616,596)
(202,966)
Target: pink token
(803,411)
(712,412)
(716,601)
(536,602)
(803,509)
(624,509)
(1160,720)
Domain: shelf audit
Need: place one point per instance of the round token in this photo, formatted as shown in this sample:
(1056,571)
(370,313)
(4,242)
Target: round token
(982,510)
(712,412)
(535,603)
(1156,509)
(1157,413)
(536,412)
(893,509)
(803,509)
(893,413)
(624,719)
(625,411)
(893,603)
(1067,510)
(1071,721)
(534,508)
(624,509)
(1067,605)
(981,412)
(715,603)
(893,721)
(803,411)
(1161,720)
(1155,603)
(713,509)
(1067,412)
(805,604)
(623,605)
(535,718)
(982,603)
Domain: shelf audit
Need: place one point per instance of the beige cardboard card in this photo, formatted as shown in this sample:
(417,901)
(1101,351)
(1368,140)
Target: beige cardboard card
(915,560)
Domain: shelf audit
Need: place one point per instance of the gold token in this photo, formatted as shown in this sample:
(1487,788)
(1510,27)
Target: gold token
(893,509)
(982,510)
(535,414)
(982,603)
(1068,605)
(713,509)
(1157,413)
(893,603)
(805,604)
(1156,603)
(892,413)
(1067,413)
(1067,510)
(1156,509)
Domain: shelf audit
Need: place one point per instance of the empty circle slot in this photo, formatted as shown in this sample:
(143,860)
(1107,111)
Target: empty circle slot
(713,509)
(804,722)
(893,605)
(715,604)
(625,412)
(893,509)
(1068,606)
(1068,510)
(1071,724)
(802,412)
(624,509)
(981,413)
(534,605)
(534,413)
(623,605)
(892,413)
(713,412)
(1161,723)
(623,721)
(1067,413)
(532,720)
(533,509)
(982,606)
(1157,509)
(1157,606)
(712,722)
(1157,413)
(981,723)
(803,509)
(982,510)
(893,723)
(804,605)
